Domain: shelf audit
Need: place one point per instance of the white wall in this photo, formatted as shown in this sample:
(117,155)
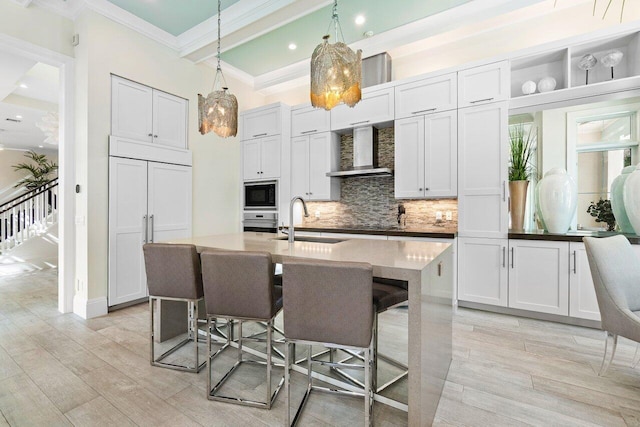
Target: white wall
(107,47)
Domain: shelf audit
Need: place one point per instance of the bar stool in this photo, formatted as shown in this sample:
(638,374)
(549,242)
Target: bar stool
(387,294)
(328,303)
(174,274)
(239,285)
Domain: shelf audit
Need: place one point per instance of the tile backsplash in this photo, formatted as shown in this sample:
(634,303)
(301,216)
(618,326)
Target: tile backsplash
(370,201)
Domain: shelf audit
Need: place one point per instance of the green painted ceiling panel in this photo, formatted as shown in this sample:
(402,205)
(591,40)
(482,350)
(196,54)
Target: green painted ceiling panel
(270,51)
(173,16)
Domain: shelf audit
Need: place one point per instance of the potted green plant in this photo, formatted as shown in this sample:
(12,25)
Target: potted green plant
(603,213)
(521,146)
(40,172)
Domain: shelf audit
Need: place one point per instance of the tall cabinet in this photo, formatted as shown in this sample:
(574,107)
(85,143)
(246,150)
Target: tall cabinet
(150,181)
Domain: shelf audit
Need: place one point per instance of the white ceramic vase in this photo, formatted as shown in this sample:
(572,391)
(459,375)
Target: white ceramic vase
(558,196)
(631,195)
(617,200)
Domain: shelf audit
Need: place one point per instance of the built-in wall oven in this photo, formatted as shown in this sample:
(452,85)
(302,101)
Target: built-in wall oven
(262,222)
(261,196)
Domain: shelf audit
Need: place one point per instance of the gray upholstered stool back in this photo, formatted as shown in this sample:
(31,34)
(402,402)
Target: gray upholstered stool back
(239,284)
(173,270)
(329,302)
(615,270)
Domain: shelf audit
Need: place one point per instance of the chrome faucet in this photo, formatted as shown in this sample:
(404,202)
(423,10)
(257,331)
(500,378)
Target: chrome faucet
(306,213)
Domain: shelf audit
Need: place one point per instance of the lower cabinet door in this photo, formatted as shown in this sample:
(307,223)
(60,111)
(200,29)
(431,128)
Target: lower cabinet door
(482,270)
(128,229)
(583,303)
(169,202)
(538,276)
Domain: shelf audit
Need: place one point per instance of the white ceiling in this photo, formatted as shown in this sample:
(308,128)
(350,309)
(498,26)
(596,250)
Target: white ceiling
(28,91)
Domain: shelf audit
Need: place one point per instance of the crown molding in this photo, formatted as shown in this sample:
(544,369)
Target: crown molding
(70,9)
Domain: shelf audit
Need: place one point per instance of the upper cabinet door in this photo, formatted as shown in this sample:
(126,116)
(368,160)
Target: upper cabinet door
(409,158)
(324,156)
(169,120)
(270,157)
(441,155)
(375,107)
(309,120)
(131,110)
(261,122)
(482,171)
(300,166)
(480,85)
(251,159)
(426,96)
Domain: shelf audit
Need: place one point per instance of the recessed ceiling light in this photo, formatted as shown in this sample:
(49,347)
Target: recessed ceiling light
(40,146)
(18,116)
(292,46)
(368,34)
(24,86)
(360,19)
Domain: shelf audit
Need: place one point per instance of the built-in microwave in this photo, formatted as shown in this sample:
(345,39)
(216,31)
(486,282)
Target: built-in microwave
(261,195)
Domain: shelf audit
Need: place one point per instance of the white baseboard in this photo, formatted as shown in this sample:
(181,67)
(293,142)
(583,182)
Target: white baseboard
(88,309)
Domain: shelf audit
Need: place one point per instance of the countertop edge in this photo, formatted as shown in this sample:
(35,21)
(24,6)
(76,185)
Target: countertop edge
(402,233)
(532,235)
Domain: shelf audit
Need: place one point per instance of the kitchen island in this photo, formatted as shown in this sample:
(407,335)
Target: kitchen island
(428,269)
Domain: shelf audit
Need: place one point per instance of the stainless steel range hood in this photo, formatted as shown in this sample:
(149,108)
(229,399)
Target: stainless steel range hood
(365,155)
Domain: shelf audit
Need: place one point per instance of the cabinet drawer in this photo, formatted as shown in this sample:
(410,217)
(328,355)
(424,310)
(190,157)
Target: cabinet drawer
(375,107)
(481,85)
(308,120)
(426,96)
(261,122)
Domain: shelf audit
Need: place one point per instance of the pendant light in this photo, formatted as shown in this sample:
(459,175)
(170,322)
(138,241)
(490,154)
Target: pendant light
(218,112)
(336,71)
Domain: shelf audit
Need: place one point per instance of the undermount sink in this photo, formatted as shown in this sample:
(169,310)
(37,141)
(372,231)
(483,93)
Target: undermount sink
(312,239)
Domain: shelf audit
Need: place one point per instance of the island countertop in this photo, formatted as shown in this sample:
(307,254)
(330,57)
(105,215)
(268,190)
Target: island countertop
(427,267)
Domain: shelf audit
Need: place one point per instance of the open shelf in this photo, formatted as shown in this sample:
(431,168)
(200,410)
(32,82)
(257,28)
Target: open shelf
(552,64)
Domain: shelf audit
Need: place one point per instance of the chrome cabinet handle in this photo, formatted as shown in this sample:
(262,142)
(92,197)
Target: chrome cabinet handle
(440,268)
(152,223)
(358,123)
(426,189)
(155,136)
(512,258)
(146,228)
(480,100)
(575,265)
(504,191)
(260,134)
(309,131)
(504,256)
(150,134)
(419,189)
(424,111)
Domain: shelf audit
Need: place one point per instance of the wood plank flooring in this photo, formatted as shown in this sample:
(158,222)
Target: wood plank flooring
(507,371)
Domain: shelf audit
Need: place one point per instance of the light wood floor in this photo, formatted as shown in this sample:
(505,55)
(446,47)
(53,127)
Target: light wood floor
(61,370)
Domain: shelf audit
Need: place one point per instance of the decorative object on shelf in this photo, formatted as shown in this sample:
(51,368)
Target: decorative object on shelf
(546,84)
(50,126)
(617,200)
(336,71)
(611,59)
(586,63)
(520,151)
(558,197)
(631,195)
(602,212)
(528,87)
(40,173)
(218,112)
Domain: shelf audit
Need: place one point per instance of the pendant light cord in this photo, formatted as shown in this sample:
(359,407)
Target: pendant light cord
(335,21)
(219,68)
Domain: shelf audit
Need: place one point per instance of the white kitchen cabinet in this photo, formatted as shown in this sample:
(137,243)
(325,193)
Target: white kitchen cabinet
(312,157)
(145,114)
(482,271)
(539,276)
(482,171)
(306,120)
(148,202)
(426,156)
(582,302)
(375,107)
(261,158)
(261,122)
(426,96)
(484,84)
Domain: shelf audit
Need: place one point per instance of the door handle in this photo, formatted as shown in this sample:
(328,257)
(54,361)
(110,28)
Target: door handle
(440,268)
(512,257)
(146,228)
(480,100)
(309,131)
(428,110)
(575,265)
(151,224)
(504,191)
(504,256)
(359,123)
(260,134)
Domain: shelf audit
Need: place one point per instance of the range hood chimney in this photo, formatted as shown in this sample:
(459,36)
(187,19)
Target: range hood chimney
(365,155)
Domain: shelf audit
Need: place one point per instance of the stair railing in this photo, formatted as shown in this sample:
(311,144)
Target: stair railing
(28,215)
